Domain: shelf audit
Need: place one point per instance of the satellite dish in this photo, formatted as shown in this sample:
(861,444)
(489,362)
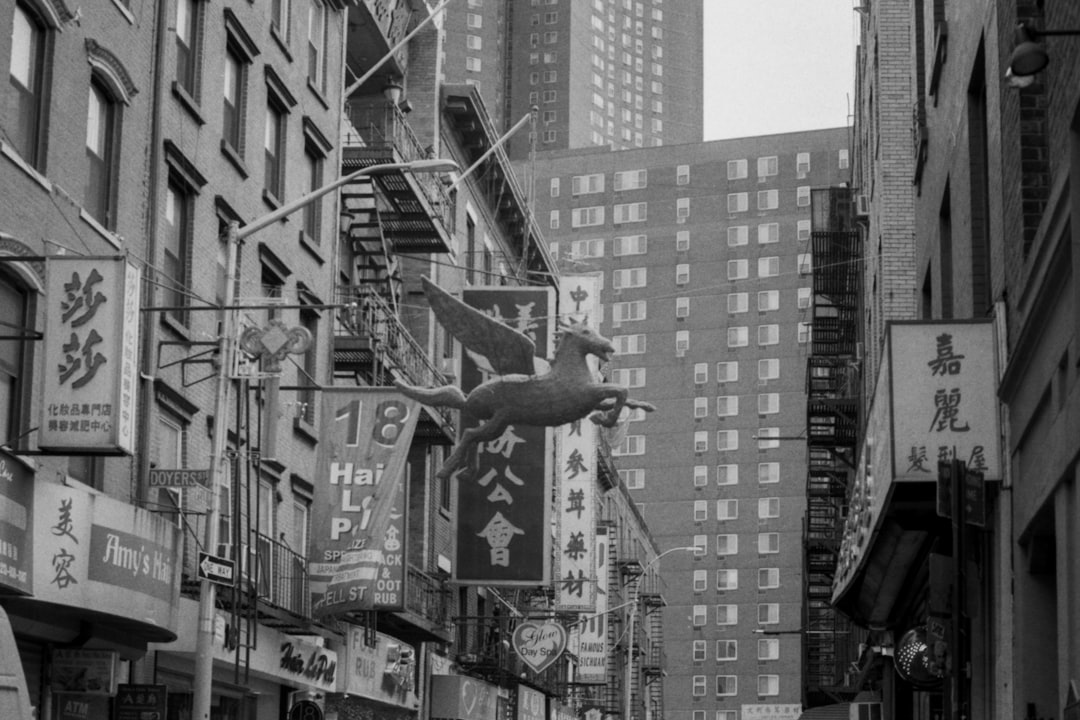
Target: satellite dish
(919,662)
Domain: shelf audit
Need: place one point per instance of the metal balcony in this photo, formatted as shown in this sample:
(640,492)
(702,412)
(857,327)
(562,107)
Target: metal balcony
(426,617)
(415,210)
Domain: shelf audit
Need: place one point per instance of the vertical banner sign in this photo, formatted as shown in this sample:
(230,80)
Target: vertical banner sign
(944,398)
(576,471)
(90,349)
(504,509)
(358,513)
(16,531)
(592,635)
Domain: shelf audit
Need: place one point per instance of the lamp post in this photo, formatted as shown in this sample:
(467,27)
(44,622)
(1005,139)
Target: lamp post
(204,650)
(633,616)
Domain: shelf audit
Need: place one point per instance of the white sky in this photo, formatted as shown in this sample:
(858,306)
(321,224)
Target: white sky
(774,66)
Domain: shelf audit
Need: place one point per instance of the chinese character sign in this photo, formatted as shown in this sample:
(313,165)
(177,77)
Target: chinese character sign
(591,634)
(358,513)
(16,535)
(944,398)
(90,349)
(503,531)
(575,473)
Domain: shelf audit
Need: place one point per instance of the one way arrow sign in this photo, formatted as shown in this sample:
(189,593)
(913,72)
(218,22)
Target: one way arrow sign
(215,569)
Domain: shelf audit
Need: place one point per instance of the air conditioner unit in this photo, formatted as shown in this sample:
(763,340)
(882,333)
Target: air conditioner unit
(862,206)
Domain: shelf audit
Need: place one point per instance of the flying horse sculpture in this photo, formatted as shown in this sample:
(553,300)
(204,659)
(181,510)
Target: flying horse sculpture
(520,393)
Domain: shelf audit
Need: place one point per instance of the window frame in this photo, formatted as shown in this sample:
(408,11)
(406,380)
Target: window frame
(318,18)
(33,91)
(103,158)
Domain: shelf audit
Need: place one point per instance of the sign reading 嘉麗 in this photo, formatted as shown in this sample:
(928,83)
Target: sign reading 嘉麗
(90,349)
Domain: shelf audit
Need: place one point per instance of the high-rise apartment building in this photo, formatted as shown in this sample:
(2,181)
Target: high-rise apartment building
(704,253)
(619,73)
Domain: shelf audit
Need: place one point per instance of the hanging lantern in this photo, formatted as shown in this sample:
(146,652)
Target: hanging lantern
(920,662)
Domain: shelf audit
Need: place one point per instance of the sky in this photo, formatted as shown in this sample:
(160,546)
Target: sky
(774,66)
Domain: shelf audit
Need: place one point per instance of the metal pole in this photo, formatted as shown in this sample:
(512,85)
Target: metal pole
(204,638)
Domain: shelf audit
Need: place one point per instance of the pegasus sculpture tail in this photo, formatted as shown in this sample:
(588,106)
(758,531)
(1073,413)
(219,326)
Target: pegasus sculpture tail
(445,396)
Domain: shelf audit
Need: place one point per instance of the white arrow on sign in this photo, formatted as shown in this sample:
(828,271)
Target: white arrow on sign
(216,569)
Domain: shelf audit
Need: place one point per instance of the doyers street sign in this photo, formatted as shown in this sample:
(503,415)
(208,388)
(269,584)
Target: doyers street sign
(179,478)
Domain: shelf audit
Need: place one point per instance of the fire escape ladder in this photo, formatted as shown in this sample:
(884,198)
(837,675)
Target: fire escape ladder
(376,266)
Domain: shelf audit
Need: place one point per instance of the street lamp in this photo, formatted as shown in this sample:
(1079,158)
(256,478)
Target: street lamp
(204,651)
(633,616)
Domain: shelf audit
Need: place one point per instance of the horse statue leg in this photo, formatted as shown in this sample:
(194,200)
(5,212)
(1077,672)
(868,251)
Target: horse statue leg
(467,452)
(615,396)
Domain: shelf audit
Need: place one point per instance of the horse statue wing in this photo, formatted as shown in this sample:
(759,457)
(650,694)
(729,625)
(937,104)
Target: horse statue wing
(506,349)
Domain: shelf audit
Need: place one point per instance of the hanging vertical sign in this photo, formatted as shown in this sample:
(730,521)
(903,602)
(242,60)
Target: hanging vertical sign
(358,513)
(579,301)
(503,529)
(16,519)
(90,346)
(592,633)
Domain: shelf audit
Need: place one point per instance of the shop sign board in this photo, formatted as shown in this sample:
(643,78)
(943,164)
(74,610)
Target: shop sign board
(92,551)
(530,703)
(381,672)
(16,516)
(504,508)
(539,644)
(463,698)
(84,671)
(141,702)
(91,340)
(306,663)
(358,515)
(591,634)
(559,711)
(771,711)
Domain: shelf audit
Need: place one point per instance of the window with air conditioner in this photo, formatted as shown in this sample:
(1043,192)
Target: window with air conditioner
(682,342)
(699,614)
(802,228)
(804,332)
(682,273)
(701,580)
(701,441)
(682,240)
(802,164)
(701,407)
(805,264)
(682,172)
(701,373)
(701,475)
(682,208)
(804,297)
(802,196)
(682,307)
(701,510)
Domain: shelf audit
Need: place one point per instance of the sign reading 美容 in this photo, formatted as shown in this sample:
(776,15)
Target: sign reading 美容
(91,345)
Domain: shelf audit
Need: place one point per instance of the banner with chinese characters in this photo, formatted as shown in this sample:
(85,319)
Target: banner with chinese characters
(591,645)
(504,509)
(16,519)
(771,711)
(944,398)
(91,356)
(575,453)
(358,523)
(91,551)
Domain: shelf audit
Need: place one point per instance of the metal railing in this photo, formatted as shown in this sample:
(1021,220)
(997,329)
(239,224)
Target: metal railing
(427,597)
(280,578)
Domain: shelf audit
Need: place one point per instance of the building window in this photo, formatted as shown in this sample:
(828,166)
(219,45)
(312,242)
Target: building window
(768,403)
(804,332)
(171,453)
(102,153)
(727,475)
(842,159)
(554,187)
(17,320)
(768,508)
(235,72)
(802,164)
(767,438)
(701,373)
(474,42)
(727,615)
(768,233)
(727,544)
(737,202)
(768,199)
(553,220)
(631,180)
(738,302)
(188,41)
(766,166)
(629,377)
(768,685)
(682,240)
(727,371)
(805,264)
(682,273)
(29,39)
(629,278)
(587,184)
(682,208)
(768,300)
(736,169)
(699,683)
(472,64)
(803,230)
(474,20)
(768,613)
(768,473)
(633,479)
(701,441)
(768,649)
(700,613)
(768,266)
(682,307)
(804,297)
(701,474)
(727,440)
(630,245)
(727,685)
(738,336)
(727,509)
(768,543)
(727,650)
(308,368)
(802,196)
(768,578)
(727,405)
(176,250)
(631,212)
(551,37)
(701,581)
(769,369)
(314,159)
(768,334)
(631,445)
(726,578)
(682,175)
(591,248)
(279,18)
(701,408)
(738,269)
(737,235)
(274,149)
(629,344)
(587,216)
(317,23)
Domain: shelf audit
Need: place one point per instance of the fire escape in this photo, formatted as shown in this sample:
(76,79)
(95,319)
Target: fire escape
(832,419)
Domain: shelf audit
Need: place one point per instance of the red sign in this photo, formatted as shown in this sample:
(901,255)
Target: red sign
(504,509)
(358,516)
